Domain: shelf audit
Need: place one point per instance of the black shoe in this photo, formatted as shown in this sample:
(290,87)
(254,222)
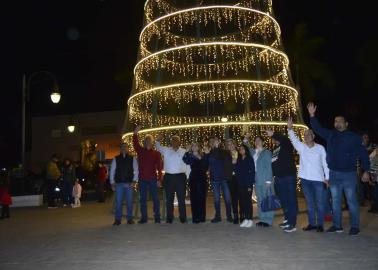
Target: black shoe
(333,229)
(169,221)
(203,220)
(284,225)
(290,229)
(230,219)
(262,224)
(195,221)
(354,231)
(130,222)
(320,229)
(183,220)
(116,223)
(216,220)
(142,221)
(236,221)
(309,227)
(157,221)
(373,211)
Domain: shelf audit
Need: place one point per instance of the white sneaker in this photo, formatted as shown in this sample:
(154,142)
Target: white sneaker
(244,223)
(249,224)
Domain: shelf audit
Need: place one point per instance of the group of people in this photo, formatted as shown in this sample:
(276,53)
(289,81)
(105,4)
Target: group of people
(62,181)
(235,171)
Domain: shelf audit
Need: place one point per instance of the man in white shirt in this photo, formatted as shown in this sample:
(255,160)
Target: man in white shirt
(314,175)
(174,177)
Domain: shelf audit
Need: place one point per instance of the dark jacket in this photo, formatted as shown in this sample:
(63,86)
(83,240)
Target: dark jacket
(219,165)
(69,174)
(198,167)
(124,169)
(343,148)
(245,171)
(283,163)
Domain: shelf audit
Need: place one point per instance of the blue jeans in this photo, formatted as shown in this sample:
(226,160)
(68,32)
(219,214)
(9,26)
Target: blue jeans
(144,185)
(327,201)
(347,182)
(217,185)
(124,190)
(314,192)
(286,188)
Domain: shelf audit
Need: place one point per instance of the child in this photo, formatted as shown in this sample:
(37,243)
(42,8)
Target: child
(76,193)
(5,198)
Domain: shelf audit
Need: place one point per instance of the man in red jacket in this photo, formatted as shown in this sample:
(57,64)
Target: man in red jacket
(150,165)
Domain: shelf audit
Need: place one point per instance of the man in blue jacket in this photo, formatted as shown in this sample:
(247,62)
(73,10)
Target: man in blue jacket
(220,162)
(343,149)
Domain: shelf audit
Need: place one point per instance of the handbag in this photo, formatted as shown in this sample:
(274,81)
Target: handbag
(270,201)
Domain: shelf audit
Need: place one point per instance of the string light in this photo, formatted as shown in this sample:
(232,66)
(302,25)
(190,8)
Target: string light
(204,69)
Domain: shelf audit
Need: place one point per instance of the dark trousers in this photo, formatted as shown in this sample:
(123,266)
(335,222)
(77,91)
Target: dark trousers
(374,204)
(51,194)
(363,191)
(245,195)
(235,201)
(67,192)
(286,189)
(5,213)
(175,183)
(101,191)
(198,192)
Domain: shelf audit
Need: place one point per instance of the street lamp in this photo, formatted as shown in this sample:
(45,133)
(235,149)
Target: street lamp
(71,128)
(55,98)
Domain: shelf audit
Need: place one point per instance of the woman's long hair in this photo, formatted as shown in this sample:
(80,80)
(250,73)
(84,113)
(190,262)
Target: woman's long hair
(247,153)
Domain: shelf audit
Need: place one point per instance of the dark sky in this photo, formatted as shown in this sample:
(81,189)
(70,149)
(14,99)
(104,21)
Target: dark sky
(91,47)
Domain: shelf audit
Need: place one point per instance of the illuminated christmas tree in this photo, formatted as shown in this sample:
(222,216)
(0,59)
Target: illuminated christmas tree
(211,68)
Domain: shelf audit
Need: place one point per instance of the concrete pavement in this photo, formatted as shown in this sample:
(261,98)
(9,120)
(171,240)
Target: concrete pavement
(83,238)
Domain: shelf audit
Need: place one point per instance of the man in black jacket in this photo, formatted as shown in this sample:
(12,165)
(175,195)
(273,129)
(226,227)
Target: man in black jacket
(123,175)
(284,172)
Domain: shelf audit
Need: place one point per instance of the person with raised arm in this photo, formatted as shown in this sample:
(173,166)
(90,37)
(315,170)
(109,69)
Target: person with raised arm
(197,181)
(263,176)
(219,174)
(174,176)
(285,180)
(344,148)
(314,175)
(150,175)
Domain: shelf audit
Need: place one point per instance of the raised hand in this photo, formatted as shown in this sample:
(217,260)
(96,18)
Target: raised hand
(311,109)
(159,137)
(188,147)
(269,133)
(247,135)
(137,129)
(290,123)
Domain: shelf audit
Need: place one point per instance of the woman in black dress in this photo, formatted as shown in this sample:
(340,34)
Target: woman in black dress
(197,182)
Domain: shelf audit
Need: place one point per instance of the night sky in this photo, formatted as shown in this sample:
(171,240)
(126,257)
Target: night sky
(91,47)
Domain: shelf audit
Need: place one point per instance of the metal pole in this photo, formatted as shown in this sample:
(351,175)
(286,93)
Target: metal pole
(23,136)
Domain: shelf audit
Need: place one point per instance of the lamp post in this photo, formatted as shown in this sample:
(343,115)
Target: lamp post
(55,98)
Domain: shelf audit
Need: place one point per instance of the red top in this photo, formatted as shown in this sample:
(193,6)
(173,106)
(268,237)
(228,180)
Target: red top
(5,198)
(101,174)
(149,161)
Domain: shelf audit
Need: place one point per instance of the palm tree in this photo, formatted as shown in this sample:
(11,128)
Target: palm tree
(309,72)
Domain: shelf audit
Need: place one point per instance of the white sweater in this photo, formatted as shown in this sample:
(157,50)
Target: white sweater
(312,164)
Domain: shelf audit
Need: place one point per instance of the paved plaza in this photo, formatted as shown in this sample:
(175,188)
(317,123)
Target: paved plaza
(83,238)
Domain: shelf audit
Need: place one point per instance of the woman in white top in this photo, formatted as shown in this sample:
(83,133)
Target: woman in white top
(314,175)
